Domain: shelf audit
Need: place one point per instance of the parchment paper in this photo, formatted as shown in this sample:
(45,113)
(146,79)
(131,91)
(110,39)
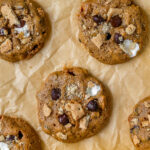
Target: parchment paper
(128,82)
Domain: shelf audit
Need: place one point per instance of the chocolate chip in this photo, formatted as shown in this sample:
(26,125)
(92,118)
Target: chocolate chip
(71,73)
(98,19)
(108,36)
(10,138)
(116,21)
(20,135)
(35,47)
(118,38)
(92,105)
(43,32)
(63,119)
(55,93)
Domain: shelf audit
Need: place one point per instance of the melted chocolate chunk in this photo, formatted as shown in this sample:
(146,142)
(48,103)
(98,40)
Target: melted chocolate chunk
(93,105)
(108,36)
(63,119)
(71,73)
(55,93)
(116,21)
(98,19)
(20,135)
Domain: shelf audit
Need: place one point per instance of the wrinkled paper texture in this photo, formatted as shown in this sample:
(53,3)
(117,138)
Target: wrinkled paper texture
(128,82)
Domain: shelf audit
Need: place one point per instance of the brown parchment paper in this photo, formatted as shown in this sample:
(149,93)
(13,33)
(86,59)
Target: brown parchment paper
(128,82)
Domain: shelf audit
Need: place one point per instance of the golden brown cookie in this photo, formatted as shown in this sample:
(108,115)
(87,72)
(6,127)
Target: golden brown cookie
(16,134)
(72,105)
(22,29)
(139,122)
(113,31)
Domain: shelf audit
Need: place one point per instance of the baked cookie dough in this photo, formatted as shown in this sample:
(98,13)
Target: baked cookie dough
(22,29)
(139,122)
(113,31)
(72,105)
(16,134)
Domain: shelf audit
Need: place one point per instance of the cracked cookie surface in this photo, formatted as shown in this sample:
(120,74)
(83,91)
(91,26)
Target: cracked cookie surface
(16,134)
(72,105)
(23,29)
(139,122)
(113,31)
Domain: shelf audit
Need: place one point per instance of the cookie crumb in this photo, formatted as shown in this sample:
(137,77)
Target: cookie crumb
(106,27)
(84,122)
(6,46)
(60,111)
(145,123)
(149,118)
(134,121)
(62,136)
(73,90)
(98,40)
(136,140)
(107,2)
(130,29)
(68,125)
(8,13)
(75,109)
(25,40)
(46,110)
(113,12)
(147,105)
(2,138)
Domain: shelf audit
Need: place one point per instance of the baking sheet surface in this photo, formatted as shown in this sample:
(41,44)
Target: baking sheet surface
(128,82)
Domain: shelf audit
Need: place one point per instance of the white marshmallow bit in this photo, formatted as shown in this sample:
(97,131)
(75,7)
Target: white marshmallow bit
(24,30)
(92,91)
(4,146)
(129,47)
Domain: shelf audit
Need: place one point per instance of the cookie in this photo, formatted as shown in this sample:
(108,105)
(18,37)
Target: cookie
(22,29)
(139,122)
(113,31)
(72,105)
(16,134)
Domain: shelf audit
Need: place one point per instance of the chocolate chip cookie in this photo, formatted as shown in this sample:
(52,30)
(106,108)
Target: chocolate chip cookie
(22,29)
(72,105)
(139,122)
(113,31)
(16,134)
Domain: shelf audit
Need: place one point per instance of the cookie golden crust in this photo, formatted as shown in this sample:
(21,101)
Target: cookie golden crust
(72,105)
(16,134)
(139,122)
(113,31)
(23,29)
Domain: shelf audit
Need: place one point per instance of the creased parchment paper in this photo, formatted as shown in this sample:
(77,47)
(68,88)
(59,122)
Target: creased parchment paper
(128,82)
